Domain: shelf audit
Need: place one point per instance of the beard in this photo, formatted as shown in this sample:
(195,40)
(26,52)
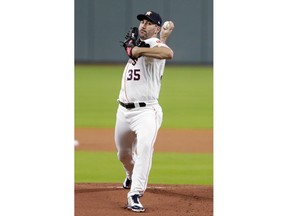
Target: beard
(143,35)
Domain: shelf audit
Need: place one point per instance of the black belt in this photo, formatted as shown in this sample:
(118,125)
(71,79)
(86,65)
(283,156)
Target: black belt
(132,105)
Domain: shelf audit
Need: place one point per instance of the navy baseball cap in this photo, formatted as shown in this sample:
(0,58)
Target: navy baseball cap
(151,16)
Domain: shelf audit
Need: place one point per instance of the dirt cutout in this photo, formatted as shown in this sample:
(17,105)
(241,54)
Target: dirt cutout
(168,140)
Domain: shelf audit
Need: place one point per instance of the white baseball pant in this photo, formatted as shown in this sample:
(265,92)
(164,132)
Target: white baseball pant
(135,134)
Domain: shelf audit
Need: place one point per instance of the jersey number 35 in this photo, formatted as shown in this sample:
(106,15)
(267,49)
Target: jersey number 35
(133,74)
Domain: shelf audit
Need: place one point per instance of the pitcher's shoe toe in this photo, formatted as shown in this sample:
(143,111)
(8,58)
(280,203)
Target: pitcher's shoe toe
(134,203)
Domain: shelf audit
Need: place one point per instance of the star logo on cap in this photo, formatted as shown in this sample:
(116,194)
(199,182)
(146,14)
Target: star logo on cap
(148,13)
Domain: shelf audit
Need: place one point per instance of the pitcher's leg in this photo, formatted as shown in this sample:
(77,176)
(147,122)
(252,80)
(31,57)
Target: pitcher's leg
(124,139)
(146,131)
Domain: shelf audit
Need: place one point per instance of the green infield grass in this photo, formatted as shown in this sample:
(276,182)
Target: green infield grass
(167,168)
(186,96)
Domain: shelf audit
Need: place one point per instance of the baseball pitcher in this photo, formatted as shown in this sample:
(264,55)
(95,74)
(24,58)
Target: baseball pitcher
(139,115)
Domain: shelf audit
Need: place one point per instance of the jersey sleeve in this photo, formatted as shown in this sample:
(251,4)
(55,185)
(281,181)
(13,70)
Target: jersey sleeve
(155,42)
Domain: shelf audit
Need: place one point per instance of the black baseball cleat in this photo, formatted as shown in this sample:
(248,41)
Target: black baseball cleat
(127,183)
(134,203)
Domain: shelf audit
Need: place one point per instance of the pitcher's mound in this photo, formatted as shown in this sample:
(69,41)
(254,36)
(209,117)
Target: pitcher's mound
(160,200)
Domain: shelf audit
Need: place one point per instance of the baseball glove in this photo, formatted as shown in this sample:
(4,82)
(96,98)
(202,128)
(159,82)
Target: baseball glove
(131,40)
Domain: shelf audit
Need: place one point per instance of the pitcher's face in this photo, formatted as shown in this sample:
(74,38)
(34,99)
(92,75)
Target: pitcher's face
(147,29)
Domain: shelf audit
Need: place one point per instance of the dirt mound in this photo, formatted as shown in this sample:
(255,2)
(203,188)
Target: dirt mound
(96,199)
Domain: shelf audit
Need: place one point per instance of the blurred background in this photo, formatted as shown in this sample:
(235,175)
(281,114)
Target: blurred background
(101,24)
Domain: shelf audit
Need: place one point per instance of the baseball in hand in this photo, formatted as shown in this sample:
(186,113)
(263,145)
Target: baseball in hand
(166,25)
(166,30)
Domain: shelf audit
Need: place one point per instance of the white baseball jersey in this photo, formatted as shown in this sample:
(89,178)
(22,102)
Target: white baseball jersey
(141,82)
